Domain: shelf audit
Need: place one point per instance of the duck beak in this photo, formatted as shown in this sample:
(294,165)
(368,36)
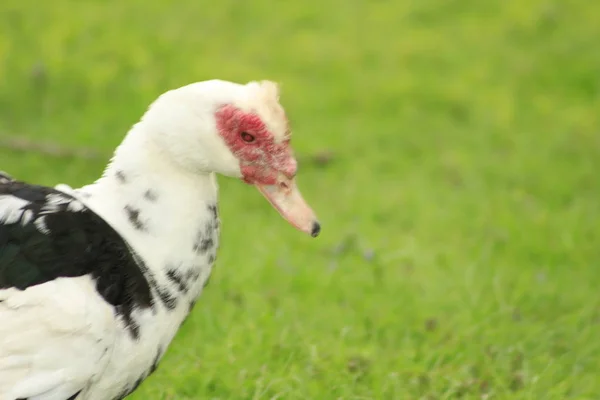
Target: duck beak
(288,201)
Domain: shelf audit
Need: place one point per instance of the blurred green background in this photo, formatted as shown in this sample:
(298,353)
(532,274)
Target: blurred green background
(451,149)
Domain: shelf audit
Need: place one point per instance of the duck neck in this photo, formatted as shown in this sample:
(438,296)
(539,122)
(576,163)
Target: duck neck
(166,214)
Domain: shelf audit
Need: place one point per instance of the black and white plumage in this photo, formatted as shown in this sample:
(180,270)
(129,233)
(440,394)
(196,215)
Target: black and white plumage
(95,281)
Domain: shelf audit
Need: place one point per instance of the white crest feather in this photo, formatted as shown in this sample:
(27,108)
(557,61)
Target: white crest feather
(266,96)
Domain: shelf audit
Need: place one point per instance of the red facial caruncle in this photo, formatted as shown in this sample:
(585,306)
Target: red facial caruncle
(261,157)
(266,161)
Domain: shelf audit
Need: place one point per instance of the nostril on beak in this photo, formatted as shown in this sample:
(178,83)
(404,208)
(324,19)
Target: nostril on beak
(290,175)
(316,229)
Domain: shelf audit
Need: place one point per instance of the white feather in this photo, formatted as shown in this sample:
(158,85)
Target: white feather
(54,339)
(40,224)
(11,209)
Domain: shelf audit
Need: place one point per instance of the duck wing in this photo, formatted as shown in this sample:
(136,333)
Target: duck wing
(66,280)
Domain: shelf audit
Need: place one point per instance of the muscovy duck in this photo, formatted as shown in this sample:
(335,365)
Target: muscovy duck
(95,281)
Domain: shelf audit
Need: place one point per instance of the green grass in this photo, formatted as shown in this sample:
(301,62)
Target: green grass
(460,253)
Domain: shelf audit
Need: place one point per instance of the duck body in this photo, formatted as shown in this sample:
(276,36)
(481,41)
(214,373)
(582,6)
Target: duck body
(95,283)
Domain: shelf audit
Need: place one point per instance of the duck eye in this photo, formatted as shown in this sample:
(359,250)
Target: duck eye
(246,137)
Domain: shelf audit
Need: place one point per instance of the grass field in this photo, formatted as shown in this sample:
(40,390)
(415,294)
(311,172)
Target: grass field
(451,149)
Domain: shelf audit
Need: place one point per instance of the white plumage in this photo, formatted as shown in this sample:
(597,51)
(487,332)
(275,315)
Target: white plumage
(95,281)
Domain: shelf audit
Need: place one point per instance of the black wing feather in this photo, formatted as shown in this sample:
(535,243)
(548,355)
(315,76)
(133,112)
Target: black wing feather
(73,244)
